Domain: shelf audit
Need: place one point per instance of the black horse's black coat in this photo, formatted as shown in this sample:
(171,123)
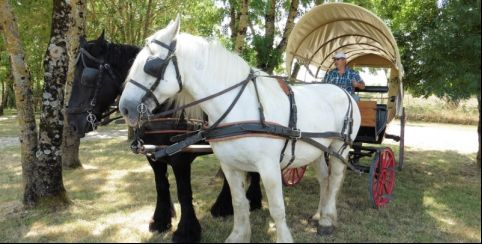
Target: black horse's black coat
(120,58)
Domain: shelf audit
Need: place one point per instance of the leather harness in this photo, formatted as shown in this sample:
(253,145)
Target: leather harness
(234,130)
(89,74)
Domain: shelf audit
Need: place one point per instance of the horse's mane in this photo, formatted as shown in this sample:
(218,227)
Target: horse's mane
(121,57)
(220,65)
(214,55)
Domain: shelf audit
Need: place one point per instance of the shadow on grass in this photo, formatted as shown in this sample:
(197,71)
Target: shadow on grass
(437,198)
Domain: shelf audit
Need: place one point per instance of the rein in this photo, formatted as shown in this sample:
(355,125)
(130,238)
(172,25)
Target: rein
(174,110)
(215,131)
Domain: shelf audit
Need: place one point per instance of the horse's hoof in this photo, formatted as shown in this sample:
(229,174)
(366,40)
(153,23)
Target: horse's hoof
(187,232)
(255,205)
(157,226)
(218,210)
(325,230)
(313,222)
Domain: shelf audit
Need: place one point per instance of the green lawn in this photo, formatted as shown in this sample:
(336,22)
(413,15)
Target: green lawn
(437,200)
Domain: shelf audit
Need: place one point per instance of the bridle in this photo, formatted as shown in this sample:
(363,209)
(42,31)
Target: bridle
(98,74)
(156,67)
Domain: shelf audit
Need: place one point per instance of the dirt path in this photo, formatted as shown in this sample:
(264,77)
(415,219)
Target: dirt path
(104,133)
(424,136)
(441,137)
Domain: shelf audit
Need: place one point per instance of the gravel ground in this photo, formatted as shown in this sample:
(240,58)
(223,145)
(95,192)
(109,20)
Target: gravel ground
(423,136)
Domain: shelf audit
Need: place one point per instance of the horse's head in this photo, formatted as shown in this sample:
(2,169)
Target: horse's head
(94,88)
(154,75)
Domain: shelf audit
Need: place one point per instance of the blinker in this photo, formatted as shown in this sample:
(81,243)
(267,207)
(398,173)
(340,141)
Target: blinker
(156,66)
(89,77)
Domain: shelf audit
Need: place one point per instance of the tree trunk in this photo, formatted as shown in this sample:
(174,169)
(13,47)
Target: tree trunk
(70,142)
(265,48)
(478,131)
(269,21)
(242,27)
(8,96)
(290,24)
(234,19)
(25,111)
(49,182)
(2,95)
(2,101)
(147,22)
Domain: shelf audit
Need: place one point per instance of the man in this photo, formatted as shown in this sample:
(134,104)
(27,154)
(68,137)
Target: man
(344,76)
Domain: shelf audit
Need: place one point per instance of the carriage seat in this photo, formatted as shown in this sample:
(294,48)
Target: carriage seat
(373,121)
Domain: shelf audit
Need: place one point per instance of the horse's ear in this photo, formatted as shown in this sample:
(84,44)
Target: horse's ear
(101,37)
(177,23)
(174,27)
(82,41)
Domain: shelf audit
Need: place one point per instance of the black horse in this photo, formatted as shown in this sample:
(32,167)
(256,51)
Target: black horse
(100,72)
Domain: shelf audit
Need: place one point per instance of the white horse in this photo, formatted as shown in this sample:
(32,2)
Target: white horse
(206,67)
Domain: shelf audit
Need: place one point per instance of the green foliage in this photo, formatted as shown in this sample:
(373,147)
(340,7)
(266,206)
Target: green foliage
(123,22)
(439,44)
(34,36)
(450,61)
(136,20)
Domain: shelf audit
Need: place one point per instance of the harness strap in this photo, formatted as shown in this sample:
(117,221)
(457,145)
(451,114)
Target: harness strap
(172,111)
(293,120)
(84,52)
(291,132)
(274,129)
(231,106)
(148,91)
(331,152)
(171,47)
(98,85)
(244,128)
(174,148)
(347,125)
(178,73)
(260,105)
(170,56)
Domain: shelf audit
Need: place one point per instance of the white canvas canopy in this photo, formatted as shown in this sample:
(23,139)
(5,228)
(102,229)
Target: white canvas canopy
(363,36)
(333,27)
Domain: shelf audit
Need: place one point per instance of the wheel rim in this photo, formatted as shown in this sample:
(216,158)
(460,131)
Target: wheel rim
(293,176)
(382,177)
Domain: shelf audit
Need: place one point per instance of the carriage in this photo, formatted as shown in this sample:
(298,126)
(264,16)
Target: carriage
(368,43)
(320,33)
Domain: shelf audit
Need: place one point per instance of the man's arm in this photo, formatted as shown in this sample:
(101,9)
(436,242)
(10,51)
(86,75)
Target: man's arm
(358,82)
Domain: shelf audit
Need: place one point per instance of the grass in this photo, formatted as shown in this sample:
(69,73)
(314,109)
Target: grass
(9,124)
(436,110)
(437,200)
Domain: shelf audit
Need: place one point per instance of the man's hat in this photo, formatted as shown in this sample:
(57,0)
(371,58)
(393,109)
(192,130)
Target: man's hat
(339,54)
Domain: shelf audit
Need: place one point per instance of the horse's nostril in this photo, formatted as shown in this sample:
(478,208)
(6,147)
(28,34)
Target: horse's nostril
(125,111)
(73,127)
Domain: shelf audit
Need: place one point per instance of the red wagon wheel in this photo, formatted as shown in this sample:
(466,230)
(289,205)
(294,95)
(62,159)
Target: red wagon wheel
(292,176)
(382,177)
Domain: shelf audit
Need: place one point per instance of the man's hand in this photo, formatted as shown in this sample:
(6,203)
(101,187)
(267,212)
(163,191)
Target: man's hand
(357,84)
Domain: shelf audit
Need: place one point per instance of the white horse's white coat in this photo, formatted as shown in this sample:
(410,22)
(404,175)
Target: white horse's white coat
(207,68)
